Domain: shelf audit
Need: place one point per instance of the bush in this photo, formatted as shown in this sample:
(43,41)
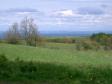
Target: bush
(87,45)
(102,38)
(3,58)
(105,40)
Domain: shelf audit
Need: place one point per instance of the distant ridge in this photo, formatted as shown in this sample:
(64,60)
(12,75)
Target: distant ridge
(71,33)
(65,33)
(1,34)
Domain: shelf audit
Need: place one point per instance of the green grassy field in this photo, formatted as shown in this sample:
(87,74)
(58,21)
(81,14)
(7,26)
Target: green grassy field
(57,53)
(61,62)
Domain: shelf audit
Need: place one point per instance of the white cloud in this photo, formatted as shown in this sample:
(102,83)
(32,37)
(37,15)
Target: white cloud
(74,17)
(67,13)
(23,13)
(64,13)
(60,17)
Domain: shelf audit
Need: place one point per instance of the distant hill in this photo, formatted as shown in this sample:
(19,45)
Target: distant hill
(1,34)
(70,33)
(65,33)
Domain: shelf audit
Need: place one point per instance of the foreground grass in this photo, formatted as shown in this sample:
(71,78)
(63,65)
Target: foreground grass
(48,73)
(49,65)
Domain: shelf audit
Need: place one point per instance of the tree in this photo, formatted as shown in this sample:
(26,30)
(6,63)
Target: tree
(29,31)
(13,35)
(103,39)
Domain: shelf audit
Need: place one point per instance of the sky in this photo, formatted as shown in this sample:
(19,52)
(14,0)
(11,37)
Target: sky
(59,15)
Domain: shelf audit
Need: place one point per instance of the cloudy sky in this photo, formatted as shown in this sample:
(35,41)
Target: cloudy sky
(59,15)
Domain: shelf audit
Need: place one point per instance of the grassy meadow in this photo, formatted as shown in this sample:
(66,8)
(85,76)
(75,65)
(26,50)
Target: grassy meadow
(57,61)
(58,53)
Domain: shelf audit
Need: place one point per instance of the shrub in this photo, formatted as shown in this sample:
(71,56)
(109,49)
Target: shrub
(83,45)
(102,38)
(3,58)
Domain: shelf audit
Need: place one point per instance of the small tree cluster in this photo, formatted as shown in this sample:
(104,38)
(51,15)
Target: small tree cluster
(87,45)
(27,30)
(103,39)
(13,35)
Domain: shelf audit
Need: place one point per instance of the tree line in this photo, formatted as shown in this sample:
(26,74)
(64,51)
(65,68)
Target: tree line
(27,31)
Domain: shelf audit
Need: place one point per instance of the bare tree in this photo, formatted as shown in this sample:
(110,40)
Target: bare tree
(13,35)
(29,31)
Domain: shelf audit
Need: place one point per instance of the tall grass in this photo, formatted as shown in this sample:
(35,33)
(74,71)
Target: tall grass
(49,73)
